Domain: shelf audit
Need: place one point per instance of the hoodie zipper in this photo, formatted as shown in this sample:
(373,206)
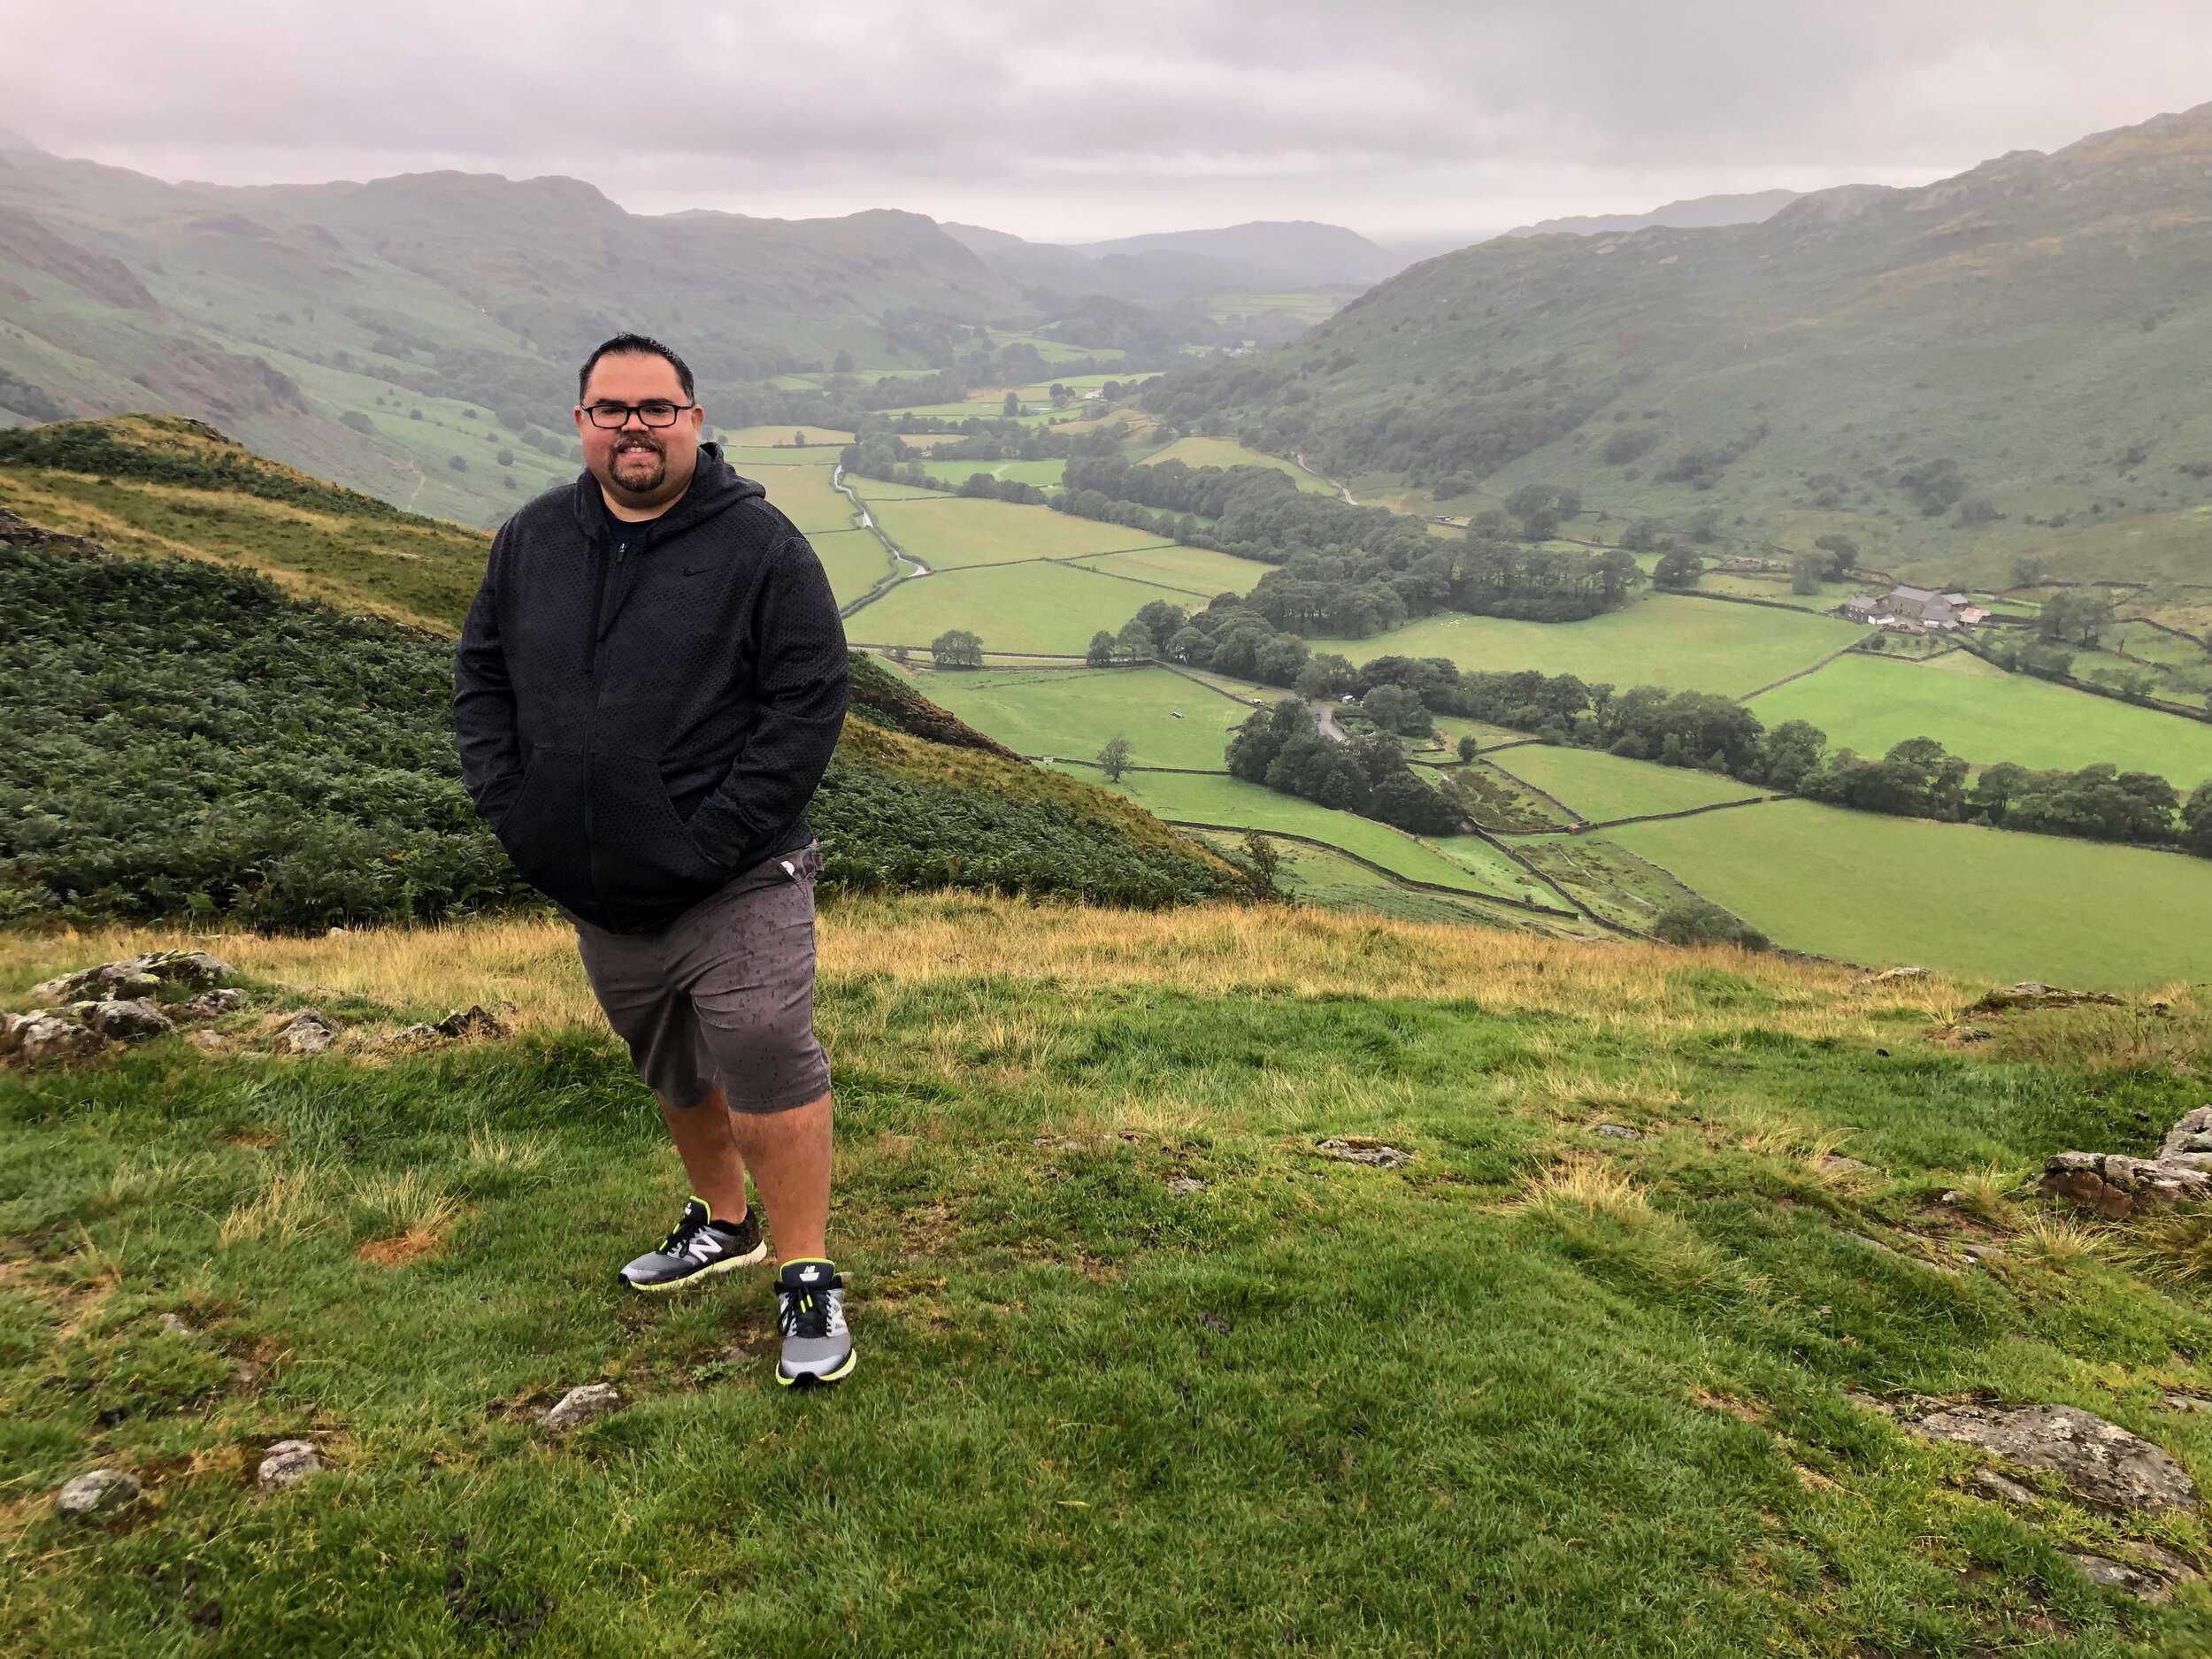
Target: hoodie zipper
(591,718)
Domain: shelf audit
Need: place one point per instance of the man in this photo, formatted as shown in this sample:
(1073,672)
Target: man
(648,690)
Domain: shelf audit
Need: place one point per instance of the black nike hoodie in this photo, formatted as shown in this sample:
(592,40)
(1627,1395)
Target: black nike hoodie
(642,720)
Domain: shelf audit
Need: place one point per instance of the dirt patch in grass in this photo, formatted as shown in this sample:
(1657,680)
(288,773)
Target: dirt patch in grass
(401,1248)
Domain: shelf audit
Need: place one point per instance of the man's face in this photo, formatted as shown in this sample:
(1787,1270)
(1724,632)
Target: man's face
(637,464)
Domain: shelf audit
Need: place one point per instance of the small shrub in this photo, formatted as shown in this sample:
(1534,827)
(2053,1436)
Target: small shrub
(1702,922)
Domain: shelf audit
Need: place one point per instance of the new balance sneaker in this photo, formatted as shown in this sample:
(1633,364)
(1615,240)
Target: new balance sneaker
(698,1248)
(810,1313)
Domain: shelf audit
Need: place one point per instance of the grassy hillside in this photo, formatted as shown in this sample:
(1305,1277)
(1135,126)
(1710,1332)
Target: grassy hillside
(1997,366)
(1143,1367)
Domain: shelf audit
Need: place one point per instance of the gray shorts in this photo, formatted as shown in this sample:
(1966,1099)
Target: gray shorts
(724,994)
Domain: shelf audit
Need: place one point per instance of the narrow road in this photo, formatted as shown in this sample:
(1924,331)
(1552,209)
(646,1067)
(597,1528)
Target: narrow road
(1345,495)
(1324,716)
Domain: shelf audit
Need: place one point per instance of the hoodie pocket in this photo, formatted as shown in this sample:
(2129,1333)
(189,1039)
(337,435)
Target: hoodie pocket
(543,829)
(643,855)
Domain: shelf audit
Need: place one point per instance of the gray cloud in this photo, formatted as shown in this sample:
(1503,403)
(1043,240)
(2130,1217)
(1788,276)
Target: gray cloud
(1397,117)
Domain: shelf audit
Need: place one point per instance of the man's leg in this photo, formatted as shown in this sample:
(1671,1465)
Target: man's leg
(789,1152)
(711,1160)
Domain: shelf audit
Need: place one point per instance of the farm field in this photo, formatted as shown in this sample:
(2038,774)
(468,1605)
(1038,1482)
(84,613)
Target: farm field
(1044,608)
(1598,787)
(1231,800)
(951,534)
(764,437)
(1327,878)
(804,496)
(1869,705)
(855,561)
(749,460)
(1044,474)
(1071,713)
(1885,891)
(1493,867)
(1660,640)
(1200,572)
(874,489)
(1195,451)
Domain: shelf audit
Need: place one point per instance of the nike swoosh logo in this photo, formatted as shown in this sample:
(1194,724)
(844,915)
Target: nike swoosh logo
(694,569)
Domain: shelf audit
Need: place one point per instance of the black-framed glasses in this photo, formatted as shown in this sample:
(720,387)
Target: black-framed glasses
(655,412)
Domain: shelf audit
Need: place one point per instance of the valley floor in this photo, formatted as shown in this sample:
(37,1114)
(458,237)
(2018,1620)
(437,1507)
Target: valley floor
(1145,1369)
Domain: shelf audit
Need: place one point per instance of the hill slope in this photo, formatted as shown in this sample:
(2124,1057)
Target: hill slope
(190,740)
(1616,1361)
(374,333)
(1998,366)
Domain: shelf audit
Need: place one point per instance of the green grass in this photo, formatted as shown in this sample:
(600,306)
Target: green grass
(875,489)
(854,560)
(826,440)
(1683,644)
(1198,572)
(804,495)
(1052,610)
(1044,474)
(1972,901)
(951,534)
(749,459)
(1327,878)
(1194,451)
(1535,1393)
(1071,713)
(1598,787)
(1871,705)
(1231,800)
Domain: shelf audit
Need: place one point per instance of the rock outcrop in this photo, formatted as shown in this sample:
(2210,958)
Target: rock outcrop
(2100,1462)
(135,977)
(2118,1186)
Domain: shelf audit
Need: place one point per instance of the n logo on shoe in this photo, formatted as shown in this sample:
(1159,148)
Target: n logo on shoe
(808,1275)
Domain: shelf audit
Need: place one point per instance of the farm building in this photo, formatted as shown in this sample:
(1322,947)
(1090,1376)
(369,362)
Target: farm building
(1914,610)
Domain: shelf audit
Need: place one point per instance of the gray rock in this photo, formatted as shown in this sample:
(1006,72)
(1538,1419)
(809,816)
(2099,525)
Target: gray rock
(289,1462)
(2109,1574)
(2007,1491)
(1619,1132)
(134,976)
(472,1021)
(2118,1186)
(2192,1134)
(1184,1185)
(580,1406)
(2100,1462)
(2187,1402)
(2035,994)
(99,1492)
(1835,1163)
(307,1032)
(1371,1153)
(209,1041)
(1890,975)
(213,1005)
(175,1324)
(51,1037)
(128,1021)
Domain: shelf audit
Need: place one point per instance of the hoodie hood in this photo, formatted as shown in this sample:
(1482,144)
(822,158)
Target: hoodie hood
(716,487)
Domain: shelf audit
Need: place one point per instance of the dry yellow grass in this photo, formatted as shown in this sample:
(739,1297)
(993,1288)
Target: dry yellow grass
(1219,948)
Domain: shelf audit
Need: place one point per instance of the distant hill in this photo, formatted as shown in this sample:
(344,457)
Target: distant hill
(377,333)
(1702,212)
(1999,367)
(1164,276)
(1293,253)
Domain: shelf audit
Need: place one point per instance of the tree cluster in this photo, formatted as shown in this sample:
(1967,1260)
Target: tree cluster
(1285,748)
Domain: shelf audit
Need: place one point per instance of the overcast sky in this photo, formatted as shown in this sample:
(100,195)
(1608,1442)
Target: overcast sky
(1075,119)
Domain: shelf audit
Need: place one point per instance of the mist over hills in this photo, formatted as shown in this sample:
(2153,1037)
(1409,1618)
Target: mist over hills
(1702,212)
(1999,367)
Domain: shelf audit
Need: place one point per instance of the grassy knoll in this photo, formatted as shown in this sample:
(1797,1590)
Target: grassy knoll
(1197,570)
(1881,890)
(1536,1393)
(804,495)
(854,560)
(1071,713)
(1871,705)
(1230,801)
(1683,644)
(411,571)
(1195,451)
(1599,787)
(948,533)
(1045,608)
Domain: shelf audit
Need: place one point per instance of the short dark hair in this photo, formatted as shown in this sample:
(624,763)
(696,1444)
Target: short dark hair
(627,345)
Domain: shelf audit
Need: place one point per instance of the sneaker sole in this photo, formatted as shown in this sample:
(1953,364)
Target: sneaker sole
(757,1254)
(807,1378)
